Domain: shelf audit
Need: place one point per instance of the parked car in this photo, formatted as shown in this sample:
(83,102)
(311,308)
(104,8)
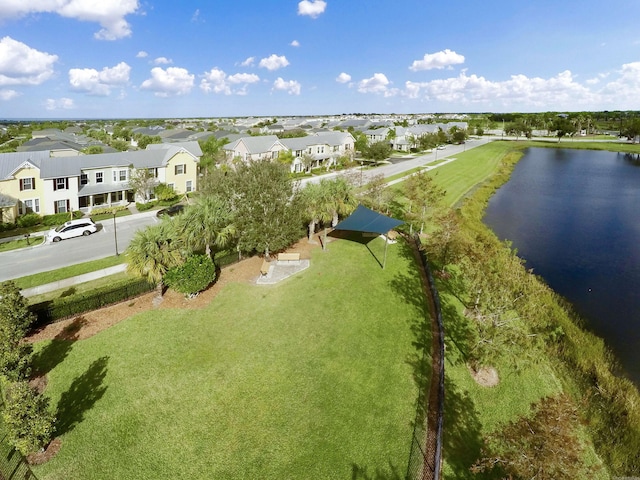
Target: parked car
(72,228)
(170,211)
(441,147)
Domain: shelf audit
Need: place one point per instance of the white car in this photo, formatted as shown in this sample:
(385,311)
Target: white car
(72,228)
(441,147)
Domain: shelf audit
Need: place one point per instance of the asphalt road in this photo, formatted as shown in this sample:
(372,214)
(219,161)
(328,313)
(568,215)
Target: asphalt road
(45,257)
(42,258)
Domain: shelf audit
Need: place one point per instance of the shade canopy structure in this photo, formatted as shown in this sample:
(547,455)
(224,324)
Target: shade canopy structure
(365,220)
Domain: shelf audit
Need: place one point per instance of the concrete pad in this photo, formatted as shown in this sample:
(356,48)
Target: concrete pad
(278,271)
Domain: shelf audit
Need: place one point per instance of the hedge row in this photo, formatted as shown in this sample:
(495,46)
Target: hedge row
(55,310)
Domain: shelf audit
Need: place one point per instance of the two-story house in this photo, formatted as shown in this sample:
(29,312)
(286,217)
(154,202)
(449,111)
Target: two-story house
(248,149)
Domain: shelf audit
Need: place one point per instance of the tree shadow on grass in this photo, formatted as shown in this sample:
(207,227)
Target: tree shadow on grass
(54,352)
(362,473)
(83,393)
(462,439)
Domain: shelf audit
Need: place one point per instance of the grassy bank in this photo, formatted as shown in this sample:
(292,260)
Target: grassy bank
(560,357)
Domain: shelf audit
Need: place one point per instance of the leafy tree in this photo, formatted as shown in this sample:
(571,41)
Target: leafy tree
(145,140)
(266,211)
(562,127)
(342,200)
(424,196)
(29,422)
(307,161)
(206,224)
(428,141)
(460,135)
(142,182)
(153,251)
(121,145)
(631,129)
(545,446)
(377,195)
(15,319)
(93,150)
(212,152)
(361,145)
(378,151)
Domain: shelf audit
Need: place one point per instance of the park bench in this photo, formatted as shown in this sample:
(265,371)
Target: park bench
(289,258)
(264,269)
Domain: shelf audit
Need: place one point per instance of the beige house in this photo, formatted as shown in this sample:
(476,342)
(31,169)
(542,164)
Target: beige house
(248,149)
(35,182)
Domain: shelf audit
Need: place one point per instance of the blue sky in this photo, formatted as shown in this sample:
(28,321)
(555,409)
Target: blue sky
(189,58)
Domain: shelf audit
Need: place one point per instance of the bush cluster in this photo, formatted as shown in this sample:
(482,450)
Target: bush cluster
(196,274)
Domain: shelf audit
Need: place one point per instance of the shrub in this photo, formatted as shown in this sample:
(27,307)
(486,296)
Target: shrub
(107,210)
(59,218)
(196,274)
(143,207)
(27,417)
(29,220)
(164,192)
(4,227)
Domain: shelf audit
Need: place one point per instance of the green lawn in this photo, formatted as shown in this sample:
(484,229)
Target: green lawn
(311,378)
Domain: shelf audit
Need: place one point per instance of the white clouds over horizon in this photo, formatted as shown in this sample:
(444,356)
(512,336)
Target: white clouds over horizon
(217,81)
(92,82)
(312,8)
(63,103)
(438,60)
(343,78)
(23,65)
(110,15)
(173,81)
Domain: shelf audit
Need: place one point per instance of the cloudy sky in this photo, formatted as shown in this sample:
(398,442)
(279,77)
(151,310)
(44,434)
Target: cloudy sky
(190,58)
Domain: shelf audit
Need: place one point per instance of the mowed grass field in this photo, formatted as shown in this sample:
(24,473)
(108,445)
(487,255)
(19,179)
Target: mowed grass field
(310,378)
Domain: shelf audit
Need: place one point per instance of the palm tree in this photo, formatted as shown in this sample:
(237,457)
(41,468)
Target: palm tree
(342,199)
(206,224)
(312,201)
(152,252)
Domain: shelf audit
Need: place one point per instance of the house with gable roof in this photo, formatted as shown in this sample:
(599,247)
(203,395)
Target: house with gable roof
(36,182)
(248,149)
(320,149)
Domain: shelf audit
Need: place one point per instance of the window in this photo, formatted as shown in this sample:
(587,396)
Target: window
(320,149)
(116,196)
(119,176)
(298,153)
(84,179)
(60,184)
(180,169)
(27,183)
(189,186)
(171,186)
(99,177)
(31,205)
(61,206)
(153,172)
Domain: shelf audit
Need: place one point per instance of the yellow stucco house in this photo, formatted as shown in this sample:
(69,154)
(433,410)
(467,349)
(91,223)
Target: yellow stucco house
(36,182)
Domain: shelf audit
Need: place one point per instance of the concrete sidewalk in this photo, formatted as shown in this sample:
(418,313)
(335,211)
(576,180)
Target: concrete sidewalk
(70,282)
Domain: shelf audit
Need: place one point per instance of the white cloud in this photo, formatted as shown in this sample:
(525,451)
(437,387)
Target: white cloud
(23,65)
(558,92)
(163,61)
(274,62)
(295,43)
(379,84)
(8,94)
(91,81)
(169,82)
(195,18)
(438,60)
(248,62)
(142,54)
(59,104)
(291,87)
(217,81)
(624,90)
(312,8)
(343,78)
(109,14)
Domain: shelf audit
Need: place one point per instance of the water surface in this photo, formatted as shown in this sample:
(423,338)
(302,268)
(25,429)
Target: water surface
(574,216)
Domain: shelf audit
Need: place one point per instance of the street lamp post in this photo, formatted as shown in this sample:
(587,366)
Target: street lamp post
(115,234)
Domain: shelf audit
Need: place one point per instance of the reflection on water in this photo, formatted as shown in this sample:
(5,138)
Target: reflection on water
(574,215)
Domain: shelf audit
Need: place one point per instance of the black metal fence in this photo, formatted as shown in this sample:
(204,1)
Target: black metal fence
(425,457)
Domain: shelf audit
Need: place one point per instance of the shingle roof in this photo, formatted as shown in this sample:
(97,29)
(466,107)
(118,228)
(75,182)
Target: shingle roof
(254,145)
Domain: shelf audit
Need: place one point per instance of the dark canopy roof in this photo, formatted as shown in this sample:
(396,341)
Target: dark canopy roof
(366,220)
